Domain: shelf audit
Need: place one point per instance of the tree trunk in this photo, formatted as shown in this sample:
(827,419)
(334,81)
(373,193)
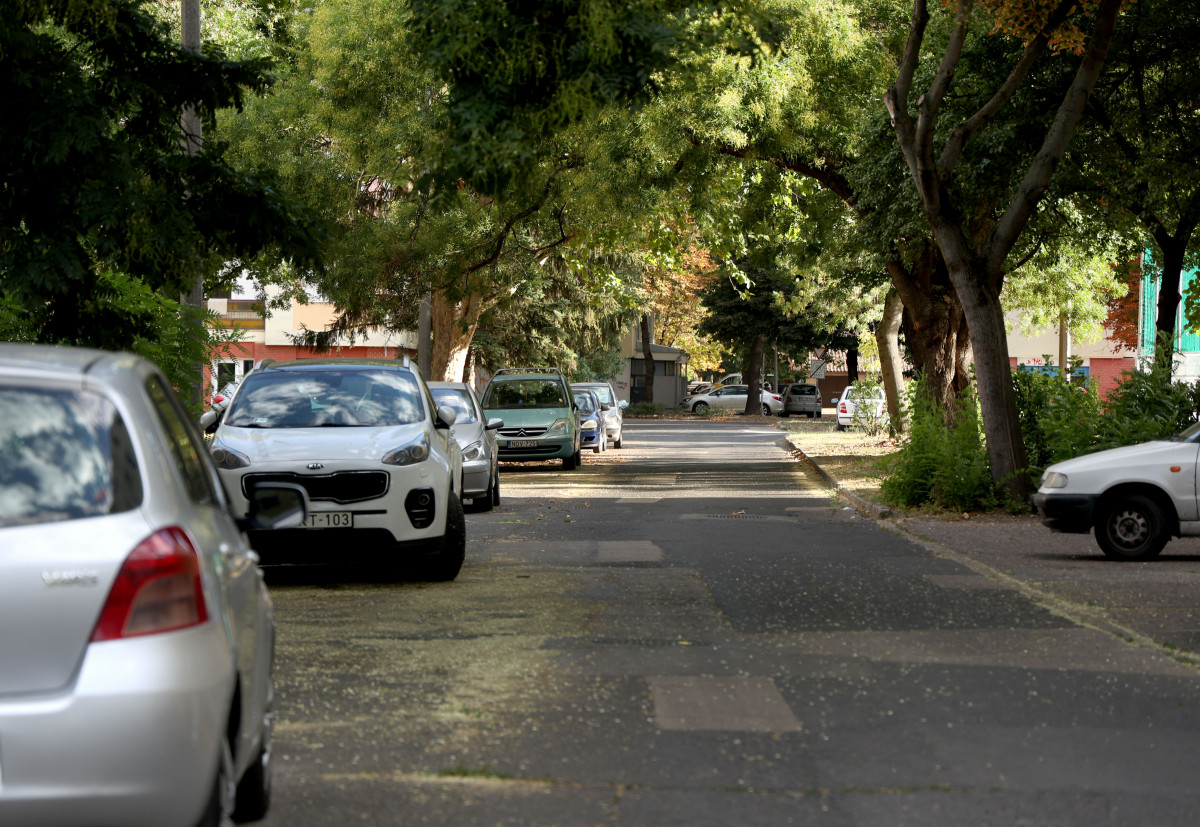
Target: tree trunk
(453,325)
(887,337)
(647,357)
(751,370)
(1171,251)
(852,364)
(935,326)
(997,400)
(468,376)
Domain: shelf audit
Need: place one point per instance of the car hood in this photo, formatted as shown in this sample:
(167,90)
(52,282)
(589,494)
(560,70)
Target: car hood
(466,434)
(308,444)
(1126,455)
(528,417)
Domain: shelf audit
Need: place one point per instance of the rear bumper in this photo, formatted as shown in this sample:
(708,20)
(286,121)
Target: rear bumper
(1070,513)
(134,741)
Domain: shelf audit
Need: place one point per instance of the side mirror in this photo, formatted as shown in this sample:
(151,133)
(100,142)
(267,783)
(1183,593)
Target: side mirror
(279,505)
(833,401)
(446,417)
(622,404)
(604,406)
(493,424)
(209,421)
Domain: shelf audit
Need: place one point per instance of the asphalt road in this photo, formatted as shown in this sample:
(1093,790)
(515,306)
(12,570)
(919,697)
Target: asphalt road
(690,631)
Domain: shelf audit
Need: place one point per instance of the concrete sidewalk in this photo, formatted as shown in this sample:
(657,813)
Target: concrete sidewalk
(1153,605)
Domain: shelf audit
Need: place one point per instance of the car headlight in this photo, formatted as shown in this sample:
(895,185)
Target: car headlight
(473,451)
(559,426)
(410,454)
(588,425)
(228,459)
(1053,479)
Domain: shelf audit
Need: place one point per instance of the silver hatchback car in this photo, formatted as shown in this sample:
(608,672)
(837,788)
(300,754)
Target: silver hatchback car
(136,632)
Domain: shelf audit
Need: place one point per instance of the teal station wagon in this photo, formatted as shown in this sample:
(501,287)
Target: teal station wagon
(540,418)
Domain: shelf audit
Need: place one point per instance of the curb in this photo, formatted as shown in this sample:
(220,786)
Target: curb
(871,509)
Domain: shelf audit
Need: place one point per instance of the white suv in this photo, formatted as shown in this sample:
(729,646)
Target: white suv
(379,461)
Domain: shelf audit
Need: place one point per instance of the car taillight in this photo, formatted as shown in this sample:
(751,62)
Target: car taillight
(158,589)
(842,408)
(218,399)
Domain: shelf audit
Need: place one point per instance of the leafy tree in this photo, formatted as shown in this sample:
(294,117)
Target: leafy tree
(1141,143)
(976,245)
(98,194)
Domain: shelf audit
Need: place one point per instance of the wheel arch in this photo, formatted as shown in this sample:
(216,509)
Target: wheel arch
(1160,497)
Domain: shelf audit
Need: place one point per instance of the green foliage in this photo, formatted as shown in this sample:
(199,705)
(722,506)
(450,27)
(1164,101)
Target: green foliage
(1061,420)
(95,175)
(939,466)
(871,420)
(597,367)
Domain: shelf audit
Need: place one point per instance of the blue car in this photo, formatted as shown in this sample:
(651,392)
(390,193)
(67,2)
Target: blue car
(591,420)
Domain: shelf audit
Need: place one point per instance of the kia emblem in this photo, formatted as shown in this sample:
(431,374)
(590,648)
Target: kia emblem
(314,466)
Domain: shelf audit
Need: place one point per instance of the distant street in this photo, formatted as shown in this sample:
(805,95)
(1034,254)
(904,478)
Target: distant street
(690,631)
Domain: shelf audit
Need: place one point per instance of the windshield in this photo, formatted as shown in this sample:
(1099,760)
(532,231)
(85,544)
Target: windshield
(63,455)
(457,399)
(585,403)
(1190,434)
(524,393)
(604,394)
(326,398)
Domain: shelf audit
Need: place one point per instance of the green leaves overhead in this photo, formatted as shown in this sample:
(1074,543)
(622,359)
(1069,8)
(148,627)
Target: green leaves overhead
(93,171)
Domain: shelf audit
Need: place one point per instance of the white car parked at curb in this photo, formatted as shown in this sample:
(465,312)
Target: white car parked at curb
(1136,498)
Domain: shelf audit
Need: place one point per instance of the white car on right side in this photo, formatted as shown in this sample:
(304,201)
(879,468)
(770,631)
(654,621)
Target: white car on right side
(853,397)
(1136,497)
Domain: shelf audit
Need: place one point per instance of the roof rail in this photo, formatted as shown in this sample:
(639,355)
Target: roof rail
(264,363)
(406,362)
(528,370)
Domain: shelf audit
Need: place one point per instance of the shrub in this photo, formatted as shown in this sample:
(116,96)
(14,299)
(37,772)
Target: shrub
(871,420)
(645,409)
(1059,420)
(945,467)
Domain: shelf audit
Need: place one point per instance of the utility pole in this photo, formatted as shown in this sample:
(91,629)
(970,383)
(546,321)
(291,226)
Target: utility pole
(192,302)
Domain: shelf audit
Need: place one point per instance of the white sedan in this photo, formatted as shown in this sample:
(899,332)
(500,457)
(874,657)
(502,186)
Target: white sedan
(732,397)
(1136,497)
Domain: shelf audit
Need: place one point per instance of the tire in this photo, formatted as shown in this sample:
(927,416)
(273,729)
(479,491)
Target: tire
(766,409)
(569,463)
(837,426)
(784,414)
(617,442)
(1134,527)
(818,414)
(812,414)
(496,487)
(700,408)
(444,565)
(219,810)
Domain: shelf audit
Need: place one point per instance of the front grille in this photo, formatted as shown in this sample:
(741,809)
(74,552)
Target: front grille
(521,433)
(339,487)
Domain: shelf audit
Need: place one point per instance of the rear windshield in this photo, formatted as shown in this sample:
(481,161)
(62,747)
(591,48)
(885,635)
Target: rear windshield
(803,390)
(326,398)
(524,393)
(457,399)
(64,455)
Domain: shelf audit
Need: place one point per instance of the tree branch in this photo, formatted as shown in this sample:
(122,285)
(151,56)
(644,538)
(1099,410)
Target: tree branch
(1004,235)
